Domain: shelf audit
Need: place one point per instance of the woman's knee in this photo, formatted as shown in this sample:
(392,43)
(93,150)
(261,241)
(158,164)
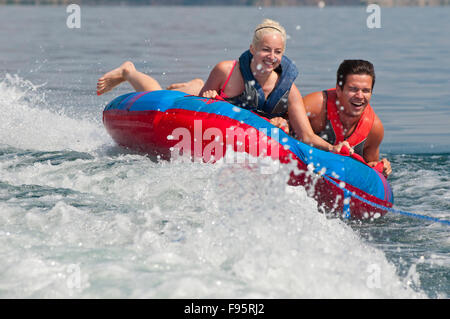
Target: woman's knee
(127,68)
(199,82)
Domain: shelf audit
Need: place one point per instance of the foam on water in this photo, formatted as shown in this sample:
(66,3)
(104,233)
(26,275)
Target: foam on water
(209,231)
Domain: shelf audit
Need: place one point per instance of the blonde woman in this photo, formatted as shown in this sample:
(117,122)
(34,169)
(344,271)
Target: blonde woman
(262,80)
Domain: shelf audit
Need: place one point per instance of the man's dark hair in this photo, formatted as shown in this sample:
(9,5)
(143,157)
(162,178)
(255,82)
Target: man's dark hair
(354,67)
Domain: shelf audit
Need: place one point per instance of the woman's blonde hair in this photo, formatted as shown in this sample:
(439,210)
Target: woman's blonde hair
(268,26)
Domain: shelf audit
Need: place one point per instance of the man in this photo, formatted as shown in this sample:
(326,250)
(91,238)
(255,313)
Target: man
(343,114)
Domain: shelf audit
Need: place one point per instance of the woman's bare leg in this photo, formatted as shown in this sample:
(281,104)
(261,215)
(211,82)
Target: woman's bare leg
(191,87)
(127,72)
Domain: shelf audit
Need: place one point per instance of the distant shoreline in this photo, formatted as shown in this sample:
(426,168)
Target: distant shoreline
(247,3)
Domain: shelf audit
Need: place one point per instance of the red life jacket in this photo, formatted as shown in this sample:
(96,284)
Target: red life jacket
(363,127)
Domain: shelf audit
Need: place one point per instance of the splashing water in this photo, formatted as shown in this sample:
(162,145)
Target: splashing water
(83,218)
(27,124)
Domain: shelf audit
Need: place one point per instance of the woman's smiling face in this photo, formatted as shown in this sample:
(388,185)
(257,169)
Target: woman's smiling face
(267,53)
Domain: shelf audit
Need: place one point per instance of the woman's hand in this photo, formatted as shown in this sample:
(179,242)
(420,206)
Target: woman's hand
(210,94)
(281,123)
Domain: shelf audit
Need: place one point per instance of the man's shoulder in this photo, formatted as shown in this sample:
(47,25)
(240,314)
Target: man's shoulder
(316,95)
(314,102)
(377,130)
(377,124)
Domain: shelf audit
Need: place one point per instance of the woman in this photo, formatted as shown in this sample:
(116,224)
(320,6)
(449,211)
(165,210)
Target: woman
(262,81)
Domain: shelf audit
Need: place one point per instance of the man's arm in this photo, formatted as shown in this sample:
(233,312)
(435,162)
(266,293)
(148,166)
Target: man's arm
(300,122)
(315,110)
(372,147)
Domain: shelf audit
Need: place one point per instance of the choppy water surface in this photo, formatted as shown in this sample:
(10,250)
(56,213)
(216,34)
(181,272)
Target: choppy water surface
(82,218)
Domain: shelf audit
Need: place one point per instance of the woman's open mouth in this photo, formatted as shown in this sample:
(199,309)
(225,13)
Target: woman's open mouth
(270,62)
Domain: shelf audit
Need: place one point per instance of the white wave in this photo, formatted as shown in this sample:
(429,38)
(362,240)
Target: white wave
(180,230)
(26,124)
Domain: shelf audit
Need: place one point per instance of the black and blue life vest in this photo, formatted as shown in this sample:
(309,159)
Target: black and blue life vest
(253,98)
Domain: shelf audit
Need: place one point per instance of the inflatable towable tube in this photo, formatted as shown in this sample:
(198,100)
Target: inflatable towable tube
(165,122)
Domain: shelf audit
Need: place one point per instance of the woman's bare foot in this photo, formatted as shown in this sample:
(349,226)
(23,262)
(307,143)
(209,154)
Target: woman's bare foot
(113,78)
(191,87)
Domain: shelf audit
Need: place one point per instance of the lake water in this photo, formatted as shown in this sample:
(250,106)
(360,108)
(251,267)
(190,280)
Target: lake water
(83,218)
